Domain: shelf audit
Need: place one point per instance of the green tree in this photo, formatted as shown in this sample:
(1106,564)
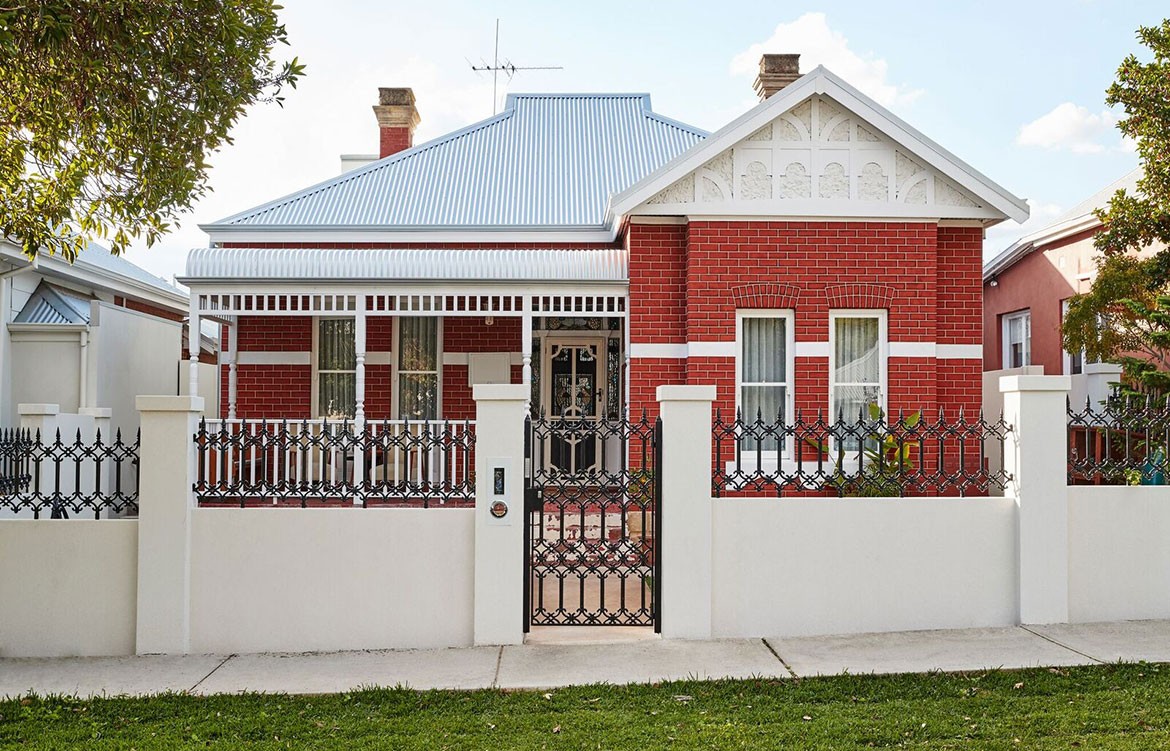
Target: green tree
(110,108)
(1127,310)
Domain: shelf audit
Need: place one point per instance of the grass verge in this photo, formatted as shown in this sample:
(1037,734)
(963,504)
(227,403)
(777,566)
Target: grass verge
(1101,707)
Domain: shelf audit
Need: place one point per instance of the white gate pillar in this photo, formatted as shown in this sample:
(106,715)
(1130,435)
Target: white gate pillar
(1036,457)
(165,500)
(686,508)
(499,540)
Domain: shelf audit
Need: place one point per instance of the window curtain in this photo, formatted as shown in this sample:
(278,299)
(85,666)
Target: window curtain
(336,363)
(418,368)
(765,360)
(857,362)
(763,375)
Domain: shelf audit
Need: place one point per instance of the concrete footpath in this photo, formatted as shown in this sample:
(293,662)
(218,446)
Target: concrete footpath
(568,656)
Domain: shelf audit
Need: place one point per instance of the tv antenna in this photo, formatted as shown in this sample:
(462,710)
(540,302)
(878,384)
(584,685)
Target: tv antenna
(497,67)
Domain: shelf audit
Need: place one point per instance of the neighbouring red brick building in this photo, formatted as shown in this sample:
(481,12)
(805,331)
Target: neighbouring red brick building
(817,253)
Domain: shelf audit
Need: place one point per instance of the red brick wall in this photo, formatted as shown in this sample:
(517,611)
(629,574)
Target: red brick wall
(658,283)
(393,140)
(273,391)
(275,334)
(147,308)
(960,318)
(471,334)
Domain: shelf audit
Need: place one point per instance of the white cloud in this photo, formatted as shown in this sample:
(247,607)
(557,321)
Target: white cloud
(818,44)
(1068,127)
(1004,234)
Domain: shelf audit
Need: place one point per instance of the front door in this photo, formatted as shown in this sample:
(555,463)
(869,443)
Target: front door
(574,393)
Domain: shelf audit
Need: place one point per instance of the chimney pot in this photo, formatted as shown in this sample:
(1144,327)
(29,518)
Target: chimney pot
(776,72)
(397,119)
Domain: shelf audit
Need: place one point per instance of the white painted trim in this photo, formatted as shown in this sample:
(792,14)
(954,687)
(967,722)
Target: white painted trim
(455,358)
(407,235)
(644,219)
(820,209)
(725,349)
(822,81)
(913,349)
(959,352)
(379,358)
(790,217)
(674,351)
(811,349)
(274,358)
(460,358)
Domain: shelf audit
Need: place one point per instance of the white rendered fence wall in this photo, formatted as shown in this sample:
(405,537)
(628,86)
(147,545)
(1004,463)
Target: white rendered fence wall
(330,579)
(796,567)
(67,588)
(1119,553)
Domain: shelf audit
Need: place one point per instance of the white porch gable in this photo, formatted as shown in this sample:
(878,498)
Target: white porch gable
(820,148)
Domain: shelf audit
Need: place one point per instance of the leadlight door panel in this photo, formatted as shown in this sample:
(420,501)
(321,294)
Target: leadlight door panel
(575,394)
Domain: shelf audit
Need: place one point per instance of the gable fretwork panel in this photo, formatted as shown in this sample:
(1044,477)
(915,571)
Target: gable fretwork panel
(816,158)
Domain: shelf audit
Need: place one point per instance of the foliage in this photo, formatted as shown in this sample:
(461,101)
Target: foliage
(1133,222)
(1125,318)
(1124,312)
(109,109)
(1116,706)
(883,458)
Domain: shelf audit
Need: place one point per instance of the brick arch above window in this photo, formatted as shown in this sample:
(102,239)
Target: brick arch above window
(859,296)
(766,295)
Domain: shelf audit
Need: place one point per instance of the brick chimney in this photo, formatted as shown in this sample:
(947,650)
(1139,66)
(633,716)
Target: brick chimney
(776,72)
(397,119)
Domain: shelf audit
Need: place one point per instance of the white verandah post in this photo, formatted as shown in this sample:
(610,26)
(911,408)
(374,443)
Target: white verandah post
(193,346)
(526,346)
(233,358)
(359,410)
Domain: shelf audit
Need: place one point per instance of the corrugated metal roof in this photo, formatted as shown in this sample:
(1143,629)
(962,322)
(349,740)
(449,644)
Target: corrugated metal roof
(382,264)
(49,304)
(97,255)
(546,160)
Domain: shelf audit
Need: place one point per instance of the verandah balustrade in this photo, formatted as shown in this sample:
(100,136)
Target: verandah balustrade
(323,462)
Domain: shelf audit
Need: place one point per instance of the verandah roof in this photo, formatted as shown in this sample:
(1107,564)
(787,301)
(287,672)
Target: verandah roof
(363,265)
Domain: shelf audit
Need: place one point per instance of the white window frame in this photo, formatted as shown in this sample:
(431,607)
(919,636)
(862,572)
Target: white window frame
(314,356)
(883,348)
(395,372)
(789,318)
(1005,329)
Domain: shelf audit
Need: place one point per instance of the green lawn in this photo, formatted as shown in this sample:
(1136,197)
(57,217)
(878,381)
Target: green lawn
(1112,707)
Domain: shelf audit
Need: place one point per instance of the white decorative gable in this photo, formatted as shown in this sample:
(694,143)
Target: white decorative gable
(815,159)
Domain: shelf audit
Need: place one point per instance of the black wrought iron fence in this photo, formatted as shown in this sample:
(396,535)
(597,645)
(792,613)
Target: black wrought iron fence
(324,462)
(61,476)
(870,455)
(1123,441)
(591,535)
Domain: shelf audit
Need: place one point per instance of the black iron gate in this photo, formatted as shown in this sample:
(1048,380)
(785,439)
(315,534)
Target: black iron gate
(592,522)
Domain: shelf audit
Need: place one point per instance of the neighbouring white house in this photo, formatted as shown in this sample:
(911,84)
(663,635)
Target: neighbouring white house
(91,334)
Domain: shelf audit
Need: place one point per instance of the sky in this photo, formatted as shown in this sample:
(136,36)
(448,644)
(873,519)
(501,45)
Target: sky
(1016,89)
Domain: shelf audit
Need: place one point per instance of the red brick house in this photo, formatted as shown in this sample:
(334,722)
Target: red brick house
(816,253)
(1027,285)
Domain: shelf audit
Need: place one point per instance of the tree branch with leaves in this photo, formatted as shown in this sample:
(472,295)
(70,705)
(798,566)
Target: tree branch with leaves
(1125,317)
(109,110)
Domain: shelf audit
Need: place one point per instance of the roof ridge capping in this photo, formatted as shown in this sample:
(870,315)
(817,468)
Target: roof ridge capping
(821,80)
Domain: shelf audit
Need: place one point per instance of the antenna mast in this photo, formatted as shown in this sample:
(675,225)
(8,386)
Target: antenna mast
(506,66)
